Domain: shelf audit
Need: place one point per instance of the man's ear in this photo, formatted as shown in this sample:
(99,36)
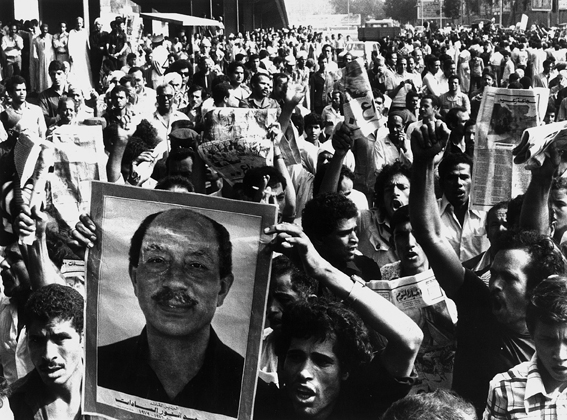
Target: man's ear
(226,284)
(344,375)
(132,272)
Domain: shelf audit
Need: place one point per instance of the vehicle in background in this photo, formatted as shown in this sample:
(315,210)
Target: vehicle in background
(375,29)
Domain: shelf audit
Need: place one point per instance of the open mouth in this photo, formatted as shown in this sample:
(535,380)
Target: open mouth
(304,394)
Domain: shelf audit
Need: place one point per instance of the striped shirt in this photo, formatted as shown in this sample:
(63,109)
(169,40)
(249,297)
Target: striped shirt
(520,394)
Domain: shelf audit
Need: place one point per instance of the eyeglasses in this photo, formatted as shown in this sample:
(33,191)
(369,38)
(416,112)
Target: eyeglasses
(184,74)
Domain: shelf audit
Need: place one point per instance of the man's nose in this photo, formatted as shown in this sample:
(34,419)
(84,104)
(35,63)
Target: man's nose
(50,351)
(306,370)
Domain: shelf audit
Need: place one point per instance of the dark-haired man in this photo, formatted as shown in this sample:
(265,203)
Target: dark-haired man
(54,322)
(327,363)
(330,222)
(181,270)
(49,98)
(462,226)
(492,335)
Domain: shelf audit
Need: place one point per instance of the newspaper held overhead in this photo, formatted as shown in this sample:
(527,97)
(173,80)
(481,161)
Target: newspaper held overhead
(504,115)
(423,300)
(535,142)
(236,139)
(360,110)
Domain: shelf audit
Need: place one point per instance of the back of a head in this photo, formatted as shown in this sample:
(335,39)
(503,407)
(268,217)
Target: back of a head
(440,404)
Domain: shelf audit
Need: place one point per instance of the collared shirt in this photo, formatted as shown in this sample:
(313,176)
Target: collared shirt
(374,235)
(385,152)
(48,101)
(331,117)
(30,120)
(468,240)
(124,367)
(162,126)
(145,102)
(520,394)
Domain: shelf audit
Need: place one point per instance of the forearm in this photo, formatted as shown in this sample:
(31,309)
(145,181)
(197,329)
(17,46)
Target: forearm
(332,176)
(424,210)
(40,268)
(427,228)
(290,196)
(535,208)
(404,336)
(114,165)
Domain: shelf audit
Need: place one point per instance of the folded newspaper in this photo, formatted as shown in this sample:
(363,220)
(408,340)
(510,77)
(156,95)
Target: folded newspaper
(535,141)
(360,110)
(423,300)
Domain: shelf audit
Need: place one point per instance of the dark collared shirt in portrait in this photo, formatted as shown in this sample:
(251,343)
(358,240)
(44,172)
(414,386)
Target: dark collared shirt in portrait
(123,367)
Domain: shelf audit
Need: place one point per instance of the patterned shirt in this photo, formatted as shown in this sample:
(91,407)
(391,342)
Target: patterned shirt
(520,394)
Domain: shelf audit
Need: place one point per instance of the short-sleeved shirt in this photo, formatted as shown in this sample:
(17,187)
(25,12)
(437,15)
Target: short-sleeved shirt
(484,346)
(521,394)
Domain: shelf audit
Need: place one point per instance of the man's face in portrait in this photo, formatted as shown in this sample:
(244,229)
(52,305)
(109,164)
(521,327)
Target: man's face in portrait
(56,350)
(177,280)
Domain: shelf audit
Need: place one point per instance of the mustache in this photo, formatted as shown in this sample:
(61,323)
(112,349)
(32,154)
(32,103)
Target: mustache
(48,365)
(168,295)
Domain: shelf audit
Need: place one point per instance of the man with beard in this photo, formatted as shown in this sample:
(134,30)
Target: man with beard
(261,84)
(181,270)
(492,335)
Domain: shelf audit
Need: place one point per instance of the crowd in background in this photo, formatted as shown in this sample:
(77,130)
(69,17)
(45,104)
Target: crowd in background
(392,204)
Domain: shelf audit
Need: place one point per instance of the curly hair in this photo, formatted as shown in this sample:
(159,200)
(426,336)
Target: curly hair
(301,283)
(548,303)
(322,214)
(147,132)
(323,320)
(385,175)
(546,258)
(441,404)
(55,301)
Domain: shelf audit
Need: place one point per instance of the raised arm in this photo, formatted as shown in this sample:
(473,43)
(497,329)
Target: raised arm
(42,271)
(535,207)
(342,142)
(427,145)
(288,212)
(403,335)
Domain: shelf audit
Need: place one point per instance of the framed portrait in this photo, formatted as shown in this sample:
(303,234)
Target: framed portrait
(173,329)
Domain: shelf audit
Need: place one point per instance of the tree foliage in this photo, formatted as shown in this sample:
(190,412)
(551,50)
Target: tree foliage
(366,8)
(452,8)
(401,10)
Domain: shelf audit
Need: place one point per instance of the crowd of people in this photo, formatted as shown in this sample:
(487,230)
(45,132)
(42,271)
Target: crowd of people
(354,209)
